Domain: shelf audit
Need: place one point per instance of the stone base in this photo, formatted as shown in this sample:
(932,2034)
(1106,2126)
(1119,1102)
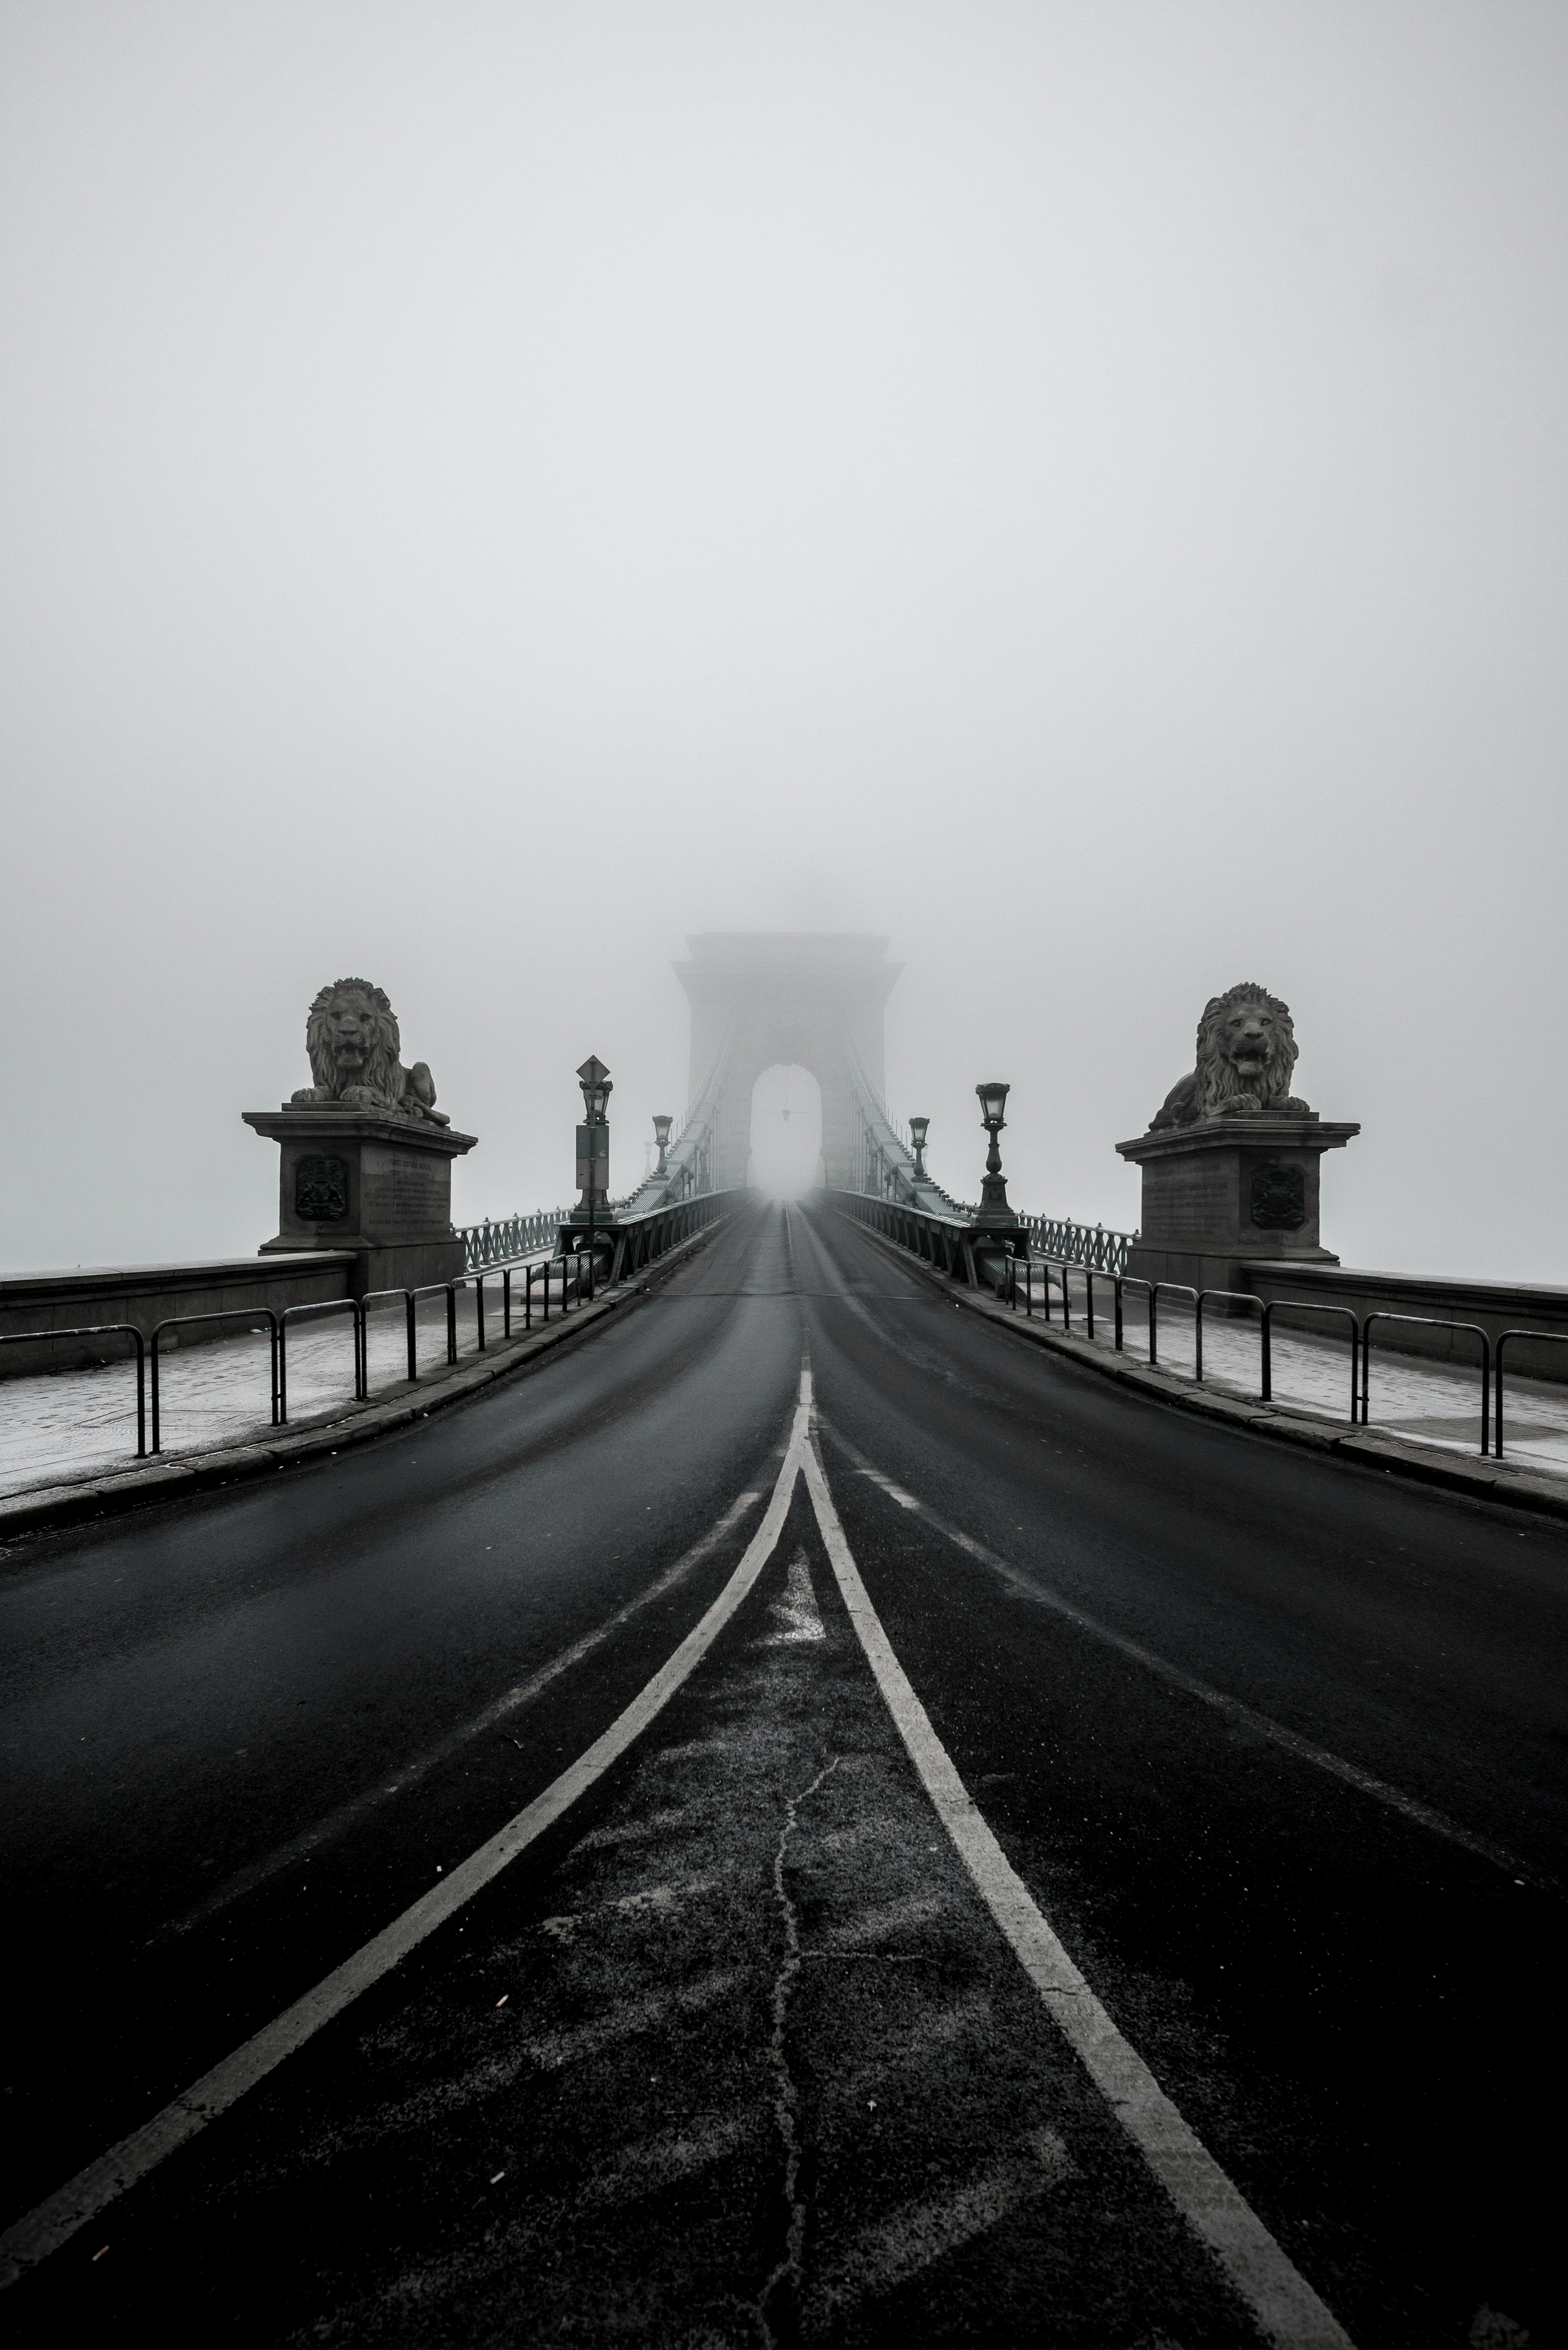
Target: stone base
(1199,1269)
(1235,1191)
(412,1264)
(380,1187)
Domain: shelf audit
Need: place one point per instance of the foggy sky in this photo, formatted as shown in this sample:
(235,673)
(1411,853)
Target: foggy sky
(488,491)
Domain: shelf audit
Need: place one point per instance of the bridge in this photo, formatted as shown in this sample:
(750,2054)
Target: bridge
(847,1786)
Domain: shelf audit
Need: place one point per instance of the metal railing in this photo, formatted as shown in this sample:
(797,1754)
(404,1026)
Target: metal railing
(252,1314)
(1428,1322)
(943,1242)
(1360,1345)
(1552,1338)
(510,1239)
(574,1277)
(101,1330)
(350,1306)
(632,1242)
(950,1246)
(1096,1246)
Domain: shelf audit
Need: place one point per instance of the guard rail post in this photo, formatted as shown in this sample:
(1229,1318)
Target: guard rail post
(318,1307)
(250,1314)
(1553,1337)
(1308,1306)
(408,1332)
(101,1330)
(1430,1322)
(1232,1296)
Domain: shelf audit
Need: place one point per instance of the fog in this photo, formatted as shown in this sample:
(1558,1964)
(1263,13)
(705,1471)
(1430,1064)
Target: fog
(1077,488)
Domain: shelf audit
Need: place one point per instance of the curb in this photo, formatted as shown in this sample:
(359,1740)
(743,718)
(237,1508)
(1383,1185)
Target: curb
(1482,1480)
(162,1480)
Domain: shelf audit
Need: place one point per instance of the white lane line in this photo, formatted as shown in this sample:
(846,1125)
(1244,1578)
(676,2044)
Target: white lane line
(57,2219)
(1285,2305)
(409,1774)
(1243,1716)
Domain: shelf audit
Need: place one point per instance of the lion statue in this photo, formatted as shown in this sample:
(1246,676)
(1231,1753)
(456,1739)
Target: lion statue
(351,1036)
(1246,1051)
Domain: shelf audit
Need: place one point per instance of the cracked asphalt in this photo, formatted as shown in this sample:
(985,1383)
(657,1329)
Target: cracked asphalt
(735,2051)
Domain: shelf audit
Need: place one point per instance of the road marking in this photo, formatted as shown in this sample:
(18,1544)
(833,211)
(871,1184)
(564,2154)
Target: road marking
(53,2221)
(1231,1707)
(409,1774)
(796,1613)
(1285,2305)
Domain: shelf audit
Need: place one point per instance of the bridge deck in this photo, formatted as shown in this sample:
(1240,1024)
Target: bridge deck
(740,2048)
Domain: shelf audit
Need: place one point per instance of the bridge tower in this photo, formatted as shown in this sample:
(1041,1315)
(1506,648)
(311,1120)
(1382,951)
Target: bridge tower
(814,998)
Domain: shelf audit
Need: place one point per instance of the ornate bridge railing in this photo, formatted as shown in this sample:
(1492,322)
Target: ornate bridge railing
(633,1241)
(946,1241)
(1095,1246)
(509,1240)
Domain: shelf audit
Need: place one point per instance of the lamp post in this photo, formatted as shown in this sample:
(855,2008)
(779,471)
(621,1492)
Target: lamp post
(661,1127)
(593,1146)
(993,1207)
(999,1234)
(917,1126)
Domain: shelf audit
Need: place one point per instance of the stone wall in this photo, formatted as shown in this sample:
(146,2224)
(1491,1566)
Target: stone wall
(146,1294)
(1494,1305)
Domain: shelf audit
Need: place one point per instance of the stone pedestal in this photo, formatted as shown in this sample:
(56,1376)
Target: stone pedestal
(381,1186)
(1236,1190)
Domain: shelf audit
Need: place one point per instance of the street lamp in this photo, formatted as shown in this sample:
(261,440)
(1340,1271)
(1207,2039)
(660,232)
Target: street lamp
(593,1145)
(917,1126)
(595,1081)
(661,1127)
(993,1207)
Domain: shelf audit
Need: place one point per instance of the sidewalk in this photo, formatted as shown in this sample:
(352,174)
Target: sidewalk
(1424,1402)
(65,1426)
(61,1426)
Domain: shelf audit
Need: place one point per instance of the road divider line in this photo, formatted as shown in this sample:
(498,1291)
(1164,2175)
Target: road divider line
(53,2221)
(1244,1717)
(1290,2313)
(409,1774)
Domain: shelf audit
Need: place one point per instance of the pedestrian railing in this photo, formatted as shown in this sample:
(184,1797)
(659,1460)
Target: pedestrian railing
(101,1330)
(1300,1305)
(1551,1338)
(489,1246)
(571,1278)
(630,1243)
(1095,1247)
(1427,1322)
(319,1307)
(252,1314)
(945,1244)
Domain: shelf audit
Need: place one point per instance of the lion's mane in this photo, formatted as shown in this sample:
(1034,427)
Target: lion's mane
(1216,1086)
(382,1082)
(382,1074)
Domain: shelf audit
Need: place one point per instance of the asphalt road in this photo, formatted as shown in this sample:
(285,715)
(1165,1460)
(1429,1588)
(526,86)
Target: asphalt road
(737,2050)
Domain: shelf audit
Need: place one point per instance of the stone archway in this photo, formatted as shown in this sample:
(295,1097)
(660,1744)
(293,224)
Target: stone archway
(814,998)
